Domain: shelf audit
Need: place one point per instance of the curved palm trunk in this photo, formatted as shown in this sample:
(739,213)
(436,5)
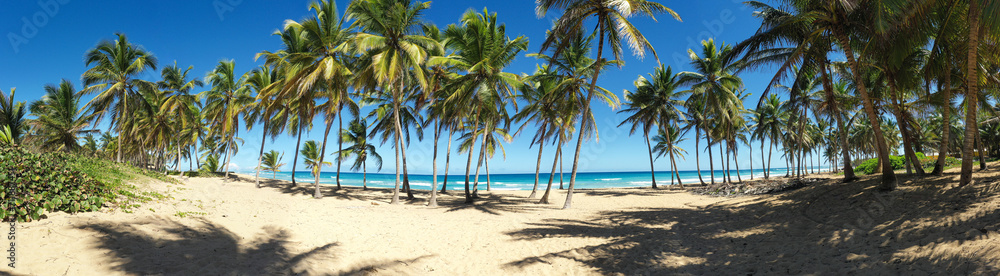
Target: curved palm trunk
(711,163)
(945,123)
(229,155)
(482,155)
(322,154)
(295,161)
(560,169)
(487,164)
(751,160)
(538,165)
(399,145)
(972,94)
(585,109)
(447,162)
(736,156)
(552,172)
(697,153)
(762,167)
(260,156)
(406,174)
(468,168)
(888,182)
(340,142)
(432,202)
(904,130)
(727,178)
(652,171)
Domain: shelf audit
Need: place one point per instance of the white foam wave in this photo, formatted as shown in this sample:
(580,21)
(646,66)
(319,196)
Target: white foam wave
(609,179)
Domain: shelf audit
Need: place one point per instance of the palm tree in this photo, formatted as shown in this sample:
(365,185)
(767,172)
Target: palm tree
(387,34)
(11,117)
(272,162)
(229,99)
(769,120)
(357,136)
(58,121)
(482,50)
(713,84)
(263,80)
(181,102)
(438,113)
(542,98)
(114,77)
(310,152)
(655,102)
(613,25)
(667,145)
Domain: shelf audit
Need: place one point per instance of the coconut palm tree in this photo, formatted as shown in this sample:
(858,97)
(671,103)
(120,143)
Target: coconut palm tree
(58,119)
(310,152)
(541,99)
(357,137)
(613,25)
(713,85)
(229,98)
(115,67)
(481,50)
(656,101)
(272,162)
(387,34)
(12,117)
(667,142)
(266,108)
(181,102)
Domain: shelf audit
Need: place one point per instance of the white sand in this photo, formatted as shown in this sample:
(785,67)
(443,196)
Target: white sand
(830,228)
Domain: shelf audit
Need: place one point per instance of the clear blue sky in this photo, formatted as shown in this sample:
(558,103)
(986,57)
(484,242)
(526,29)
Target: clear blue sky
(201,33)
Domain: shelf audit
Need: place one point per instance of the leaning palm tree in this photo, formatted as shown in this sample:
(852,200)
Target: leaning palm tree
(180,102)
(114,76)
(357,136)
(58,121)
(310,152)
(613,26)
(272,162)
(266,108)
(387,33)
(713,84)
(541,98)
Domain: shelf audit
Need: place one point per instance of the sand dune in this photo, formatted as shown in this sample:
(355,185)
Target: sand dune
(235,229)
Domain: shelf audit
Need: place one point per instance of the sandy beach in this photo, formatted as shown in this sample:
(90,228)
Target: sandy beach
(210,227)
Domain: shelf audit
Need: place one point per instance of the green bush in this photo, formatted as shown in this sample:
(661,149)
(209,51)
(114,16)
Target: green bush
(869,166)
(35,183)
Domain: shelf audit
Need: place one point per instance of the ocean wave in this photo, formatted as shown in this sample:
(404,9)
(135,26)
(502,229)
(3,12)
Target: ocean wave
(609,179)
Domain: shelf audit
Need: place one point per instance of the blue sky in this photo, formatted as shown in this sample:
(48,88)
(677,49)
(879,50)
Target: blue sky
(46,40)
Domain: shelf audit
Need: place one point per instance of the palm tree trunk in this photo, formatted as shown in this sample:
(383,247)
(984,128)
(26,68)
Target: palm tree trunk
(229,155)
(447,162)
(888,182)
(972,94)
(340,142)
(560,169)
(585,109)
(468,165)
(538,163)
(399,142)
(736,157)
(260,157)
(762,167)
(945,123)
(751,158)
(982,150)
(842,131)
(322,154)
(432,202)
(904,130)
(406,174)
(697,153)
(364,176)
(725,164)
(548,188)
(711,163)
(652,171)
(487,164)
(295,161)
(482,155)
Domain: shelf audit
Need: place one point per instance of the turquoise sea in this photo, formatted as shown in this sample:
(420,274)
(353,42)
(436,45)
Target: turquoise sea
(521,181)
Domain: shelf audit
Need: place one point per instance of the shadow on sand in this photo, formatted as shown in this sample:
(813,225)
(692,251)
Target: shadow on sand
(825,228)
(199,247)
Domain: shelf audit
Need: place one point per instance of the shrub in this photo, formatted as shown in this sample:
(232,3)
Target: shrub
(869,166)
(35,183)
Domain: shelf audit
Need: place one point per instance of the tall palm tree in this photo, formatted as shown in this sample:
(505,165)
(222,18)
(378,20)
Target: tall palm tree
(114,76)
(58,121)
(263,80)
(667,145)
(612,25)
(770,119)
(481,50)
(713,84)
(228,100)
(272,162)
(655,102)
(541,99)
(180,101)
(357,136)
(387,33)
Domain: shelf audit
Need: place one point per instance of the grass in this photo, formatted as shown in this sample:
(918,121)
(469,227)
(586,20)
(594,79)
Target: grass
(187,214)
(120,178)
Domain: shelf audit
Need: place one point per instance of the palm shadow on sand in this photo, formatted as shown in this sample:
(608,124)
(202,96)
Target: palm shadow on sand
(835,227)
(200,247)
